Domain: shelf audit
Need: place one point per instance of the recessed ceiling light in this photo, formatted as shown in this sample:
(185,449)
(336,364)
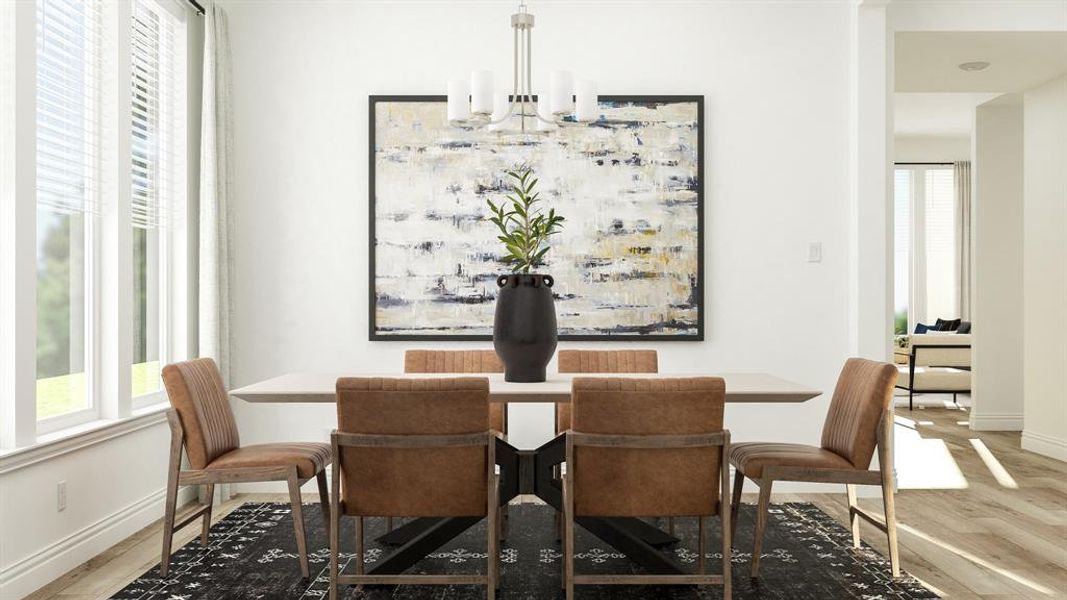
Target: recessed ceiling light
(978,65)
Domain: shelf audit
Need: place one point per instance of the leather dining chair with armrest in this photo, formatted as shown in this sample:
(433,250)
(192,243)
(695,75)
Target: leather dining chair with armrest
(859,422)
(202,422)
(413,447)
(648,448)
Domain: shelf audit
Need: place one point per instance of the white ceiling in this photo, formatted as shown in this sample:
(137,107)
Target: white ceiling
(940,115)
(928,61)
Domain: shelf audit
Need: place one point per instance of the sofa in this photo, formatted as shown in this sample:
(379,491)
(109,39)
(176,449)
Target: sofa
(934,363)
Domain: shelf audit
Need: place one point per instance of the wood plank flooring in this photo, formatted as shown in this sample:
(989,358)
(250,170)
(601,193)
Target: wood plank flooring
(982,539)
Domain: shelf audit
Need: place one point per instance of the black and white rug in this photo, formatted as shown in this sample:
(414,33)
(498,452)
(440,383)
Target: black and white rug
(252,555)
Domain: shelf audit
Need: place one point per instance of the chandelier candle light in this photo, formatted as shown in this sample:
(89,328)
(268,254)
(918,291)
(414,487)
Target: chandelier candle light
(475,103)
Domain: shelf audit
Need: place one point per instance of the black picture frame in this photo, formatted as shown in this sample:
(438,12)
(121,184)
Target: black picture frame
(373,334)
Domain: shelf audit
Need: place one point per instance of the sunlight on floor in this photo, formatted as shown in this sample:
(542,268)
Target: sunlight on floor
(923,464)
(999,472)
(1037,587)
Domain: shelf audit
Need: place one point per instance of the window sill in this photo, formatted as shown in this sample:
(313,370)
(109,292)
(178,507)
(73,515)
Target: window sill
(58,443)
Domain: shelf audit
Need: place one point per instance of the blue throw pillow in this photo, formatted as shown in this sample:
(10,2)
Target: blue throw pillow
(920,328)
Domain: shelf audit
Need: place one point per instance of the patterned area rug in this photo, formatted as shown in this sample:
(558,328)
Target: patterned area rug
(807,555)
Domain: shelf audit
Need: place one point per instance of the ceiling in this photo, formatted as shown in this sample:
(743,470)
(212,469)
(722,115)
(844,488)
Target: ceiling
(1019,60)
(941,115)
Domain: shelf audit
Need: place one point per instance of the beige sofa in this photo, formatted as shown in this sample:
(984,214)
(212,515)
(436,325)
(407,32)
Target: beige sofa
(934,362)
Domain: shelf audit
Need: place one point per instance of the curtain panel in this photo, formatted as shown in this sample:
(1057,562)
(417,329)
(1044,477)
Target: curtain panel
(216,194)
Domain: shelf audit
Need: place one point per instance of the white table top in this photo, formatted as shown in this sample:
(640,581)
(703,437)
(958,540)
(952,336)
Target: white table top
(321,387)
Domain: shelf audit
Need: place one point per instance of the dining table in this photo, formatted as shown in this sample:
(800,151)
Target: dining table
(524,471)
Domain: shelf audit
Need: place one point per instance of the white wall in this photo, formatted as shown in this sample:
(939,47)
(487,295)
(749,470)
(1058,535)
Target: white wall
(922,148)
(997,264)
(114,489)
(776,81)
(1045,269)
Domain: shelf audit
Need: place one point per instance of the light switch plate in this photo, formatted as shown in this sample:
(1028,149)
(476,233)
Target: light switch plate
(814,252)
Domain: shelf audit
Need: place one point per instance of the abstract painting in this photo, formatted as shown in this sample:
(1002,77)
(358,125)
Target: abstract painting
(628,263)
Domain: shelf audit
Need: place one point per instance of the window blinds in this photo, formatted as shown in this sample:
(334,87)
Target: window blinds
(69,75)
(157,159)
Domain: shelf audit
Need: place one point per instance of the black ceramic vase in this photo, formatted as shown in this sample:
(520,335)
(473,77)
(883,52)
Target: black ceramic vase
(524,330)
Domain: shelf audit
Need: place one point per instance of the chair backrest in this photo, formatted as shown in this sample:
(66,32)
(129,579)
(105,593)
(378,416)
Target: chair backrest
(460,361)
(647,481)
(601,361)
(195,390)
(413,482)
(608,361)
(864,391)
(452,361)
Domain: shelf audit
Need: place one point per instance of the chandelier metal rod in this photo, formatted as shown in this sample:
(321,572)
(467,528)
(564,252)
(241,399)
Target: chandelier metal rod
(522,74)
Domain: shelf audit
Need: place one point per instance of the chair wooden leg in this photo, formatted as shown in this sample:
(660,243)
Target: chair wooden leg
(389,524)
(298,523)
(761,524)
(735,502)
(171,505)
(335,549)
(702,547)
(853,516)
(670,526)
(209,494)
(360,550)
(890,523)
(568,542)
(492,528)
(324,496)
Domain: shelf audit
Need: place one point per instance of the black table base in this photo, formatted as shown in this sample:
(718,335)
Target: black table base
(529,472)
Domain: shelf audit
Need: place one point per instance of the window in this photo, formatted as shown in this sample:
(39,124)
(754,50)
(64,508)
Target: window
(68,187)
(157,185)
(104,247)
(925,253)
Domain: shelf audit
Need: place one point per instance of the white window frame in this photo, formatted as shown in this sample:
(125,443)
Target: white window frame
(109,345)
(172,238)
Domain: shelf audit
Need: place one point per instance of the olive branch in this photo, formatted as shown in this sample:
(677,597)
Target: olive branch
(524,228)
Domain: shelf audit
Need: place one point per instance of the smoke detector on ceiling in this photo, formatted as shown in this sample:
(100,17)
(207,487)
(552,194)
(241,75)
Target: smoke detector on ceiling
(978,65)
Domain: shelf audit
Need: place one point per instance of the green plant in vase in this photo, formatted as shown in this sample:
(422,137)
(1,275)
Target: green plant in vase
(524,326)
(524,226)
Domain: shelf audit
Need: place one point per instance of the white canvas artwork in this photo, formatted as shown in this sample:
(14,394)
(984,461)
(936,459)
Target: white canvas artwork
(627,264)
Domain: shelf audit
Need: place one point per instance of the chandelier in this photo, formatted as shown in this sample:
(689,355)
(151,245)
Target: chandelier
(476,103)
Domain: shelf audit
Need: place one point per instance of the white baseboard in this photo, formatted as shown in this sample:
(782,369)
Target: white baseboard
(996,422)
(46,565)
(1046,445)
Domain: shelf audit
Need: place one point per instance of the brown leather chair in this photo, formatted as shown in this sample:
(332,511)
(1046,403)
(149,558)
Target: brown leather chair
(648,447)
(601,361)
(202,421)
(413,447)
(461,361)
(859,421)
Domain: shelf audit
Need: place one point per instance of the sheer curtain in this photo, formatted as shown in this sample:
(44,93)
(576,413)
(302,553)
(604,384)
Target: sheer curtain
(963,235)
(216,193)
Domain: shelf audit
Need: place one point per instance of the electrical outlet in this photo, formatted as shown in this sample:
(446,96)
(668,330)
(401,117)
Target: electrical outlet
(61,496)
(815,252)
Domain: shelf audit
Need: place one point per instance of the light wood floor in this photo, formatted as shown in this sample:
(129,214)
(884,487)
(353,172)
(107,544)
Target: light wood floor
(986,539)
